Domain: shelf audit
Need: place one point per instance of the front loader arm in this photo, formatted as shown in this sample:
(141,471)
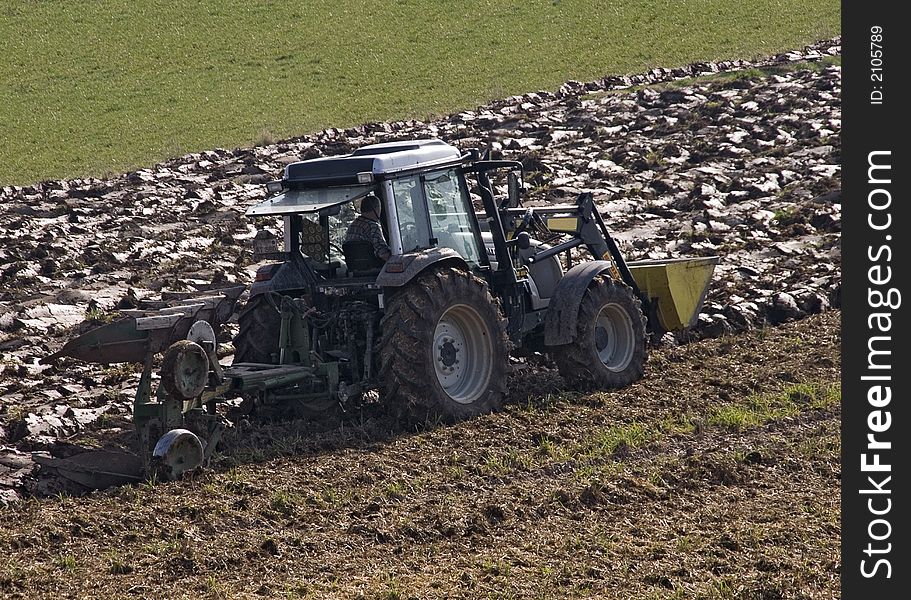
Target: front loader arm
(591,232)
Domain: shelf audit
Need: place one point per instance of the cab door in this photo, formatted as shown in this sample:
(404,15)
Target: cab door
(434,209)
(452,220)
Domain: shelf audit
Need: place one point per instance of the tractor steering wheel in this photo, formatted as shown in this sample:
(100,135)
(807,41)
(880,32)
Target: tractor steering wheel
(409,235)
(409,229)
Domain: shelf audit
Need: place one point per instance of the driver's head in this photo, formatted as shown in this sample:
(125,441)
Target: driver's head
(370,204)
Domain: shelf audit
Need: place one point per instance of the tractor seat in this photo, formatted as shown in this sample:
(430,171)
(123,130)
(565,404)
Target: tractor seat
(360,259)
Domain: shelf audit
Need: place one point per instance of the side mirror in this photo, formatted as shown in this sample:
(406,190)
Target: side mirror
(514,186)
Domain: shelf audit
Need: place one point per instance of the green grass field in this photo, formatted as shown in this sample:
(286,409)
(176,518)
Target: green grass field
(99,86)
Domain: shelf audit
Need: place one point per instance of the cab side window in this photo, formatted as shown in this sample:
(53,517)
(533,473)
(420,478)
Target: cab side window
(448,205)
(413,226)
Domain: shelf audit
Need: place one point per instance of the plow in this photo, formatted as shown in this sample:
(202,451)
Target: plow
(470,280)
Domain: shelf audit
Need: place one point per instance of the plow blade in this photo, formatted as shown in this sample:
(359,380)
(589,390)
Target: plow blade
(678,284)
(95,469)
(141,332)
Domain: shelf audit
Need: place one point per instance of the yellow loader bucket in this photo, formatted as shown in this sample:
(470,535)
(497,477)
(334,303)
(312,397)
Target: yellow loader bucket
(678,284)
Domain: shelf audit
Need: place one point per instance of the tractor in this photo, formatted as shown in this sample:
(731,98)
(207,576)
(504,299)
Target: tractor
(472,279)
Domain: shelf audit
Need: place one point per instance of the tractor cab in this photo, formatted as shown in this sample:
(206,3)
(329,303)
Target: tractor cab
(424,200)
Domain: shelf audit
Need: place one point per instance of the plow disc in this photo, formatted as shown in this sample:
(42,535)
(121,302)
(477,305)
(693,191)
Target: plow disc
(177,452)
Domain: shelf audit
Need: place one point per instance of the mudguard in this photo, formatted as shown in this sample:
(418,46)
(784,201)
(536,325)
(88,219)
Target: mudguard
(401,269)
(293,274)
(563,311)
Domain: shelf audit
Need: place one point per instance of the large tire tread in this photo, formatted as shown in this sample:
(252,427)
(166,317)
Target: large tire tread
(407,375)
(578,361)
(257,338)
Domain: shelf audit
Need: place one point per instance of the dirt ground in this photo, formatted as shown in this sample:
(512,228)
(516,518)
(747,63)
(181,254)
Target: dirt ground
(716,476)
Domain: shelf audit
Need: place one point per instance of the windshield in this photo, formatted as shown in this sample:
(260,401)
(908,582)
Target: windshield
(308,200)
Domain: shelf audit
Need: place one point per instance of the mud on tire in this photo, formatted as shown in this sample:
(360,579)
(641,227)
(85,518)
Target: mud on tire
(257,339)
(444,354)
(609,350)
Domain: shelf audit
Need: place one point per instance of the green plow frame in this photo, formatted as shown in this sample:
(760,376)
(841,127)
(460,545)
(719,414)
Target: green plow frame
(136,336)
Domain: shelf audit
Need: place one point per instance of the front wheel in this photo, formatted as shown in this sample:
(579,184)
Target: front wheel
(609,349)
(444,351)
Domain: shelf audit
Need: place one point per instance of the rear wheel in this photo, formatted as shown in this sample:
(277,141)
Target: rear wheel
(257,339)
(609,349)
(444,352)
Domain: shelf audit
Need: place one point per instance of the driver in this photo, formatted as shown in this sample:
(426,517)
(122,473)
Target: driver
(366,227)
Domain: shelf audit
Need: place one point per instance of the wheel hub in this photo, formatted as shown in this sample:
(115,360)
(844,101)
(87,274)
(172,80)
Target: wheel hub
(448,342)
(614,338)
(448,353)
(461,354)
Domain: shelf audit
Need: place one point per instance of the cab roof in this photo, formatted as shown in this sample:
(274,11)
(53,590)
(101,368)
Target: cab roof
(377,159)
(322,184)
